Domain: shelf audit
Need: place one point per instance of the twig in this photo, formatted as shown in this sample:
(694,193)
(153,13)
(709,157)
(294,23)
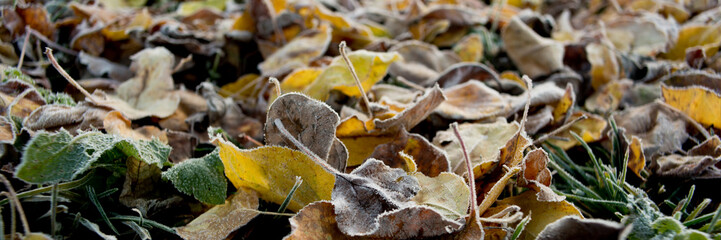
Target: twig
(529,86)
(559,130)
(409,83)
(25,46)
(51,43)
(275,82)
(250,139)
(303,148)
(182,62)
(341,48)
(469,168)
(49,52)
(13,197)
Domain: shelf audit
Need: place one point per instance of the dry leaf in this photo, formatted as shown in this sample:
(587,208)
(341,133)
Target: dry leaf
(447,193)
(470,48)
(150,92)
(83,116)
(542,213)
(697,94)
(590,129)
(706,37)
(221,220)
(661,130)
(428,159)
(571,227)
(270,171)
(421,61)
(411,116)
(472,100)
(532,54)
(311,122)
(299,52)
(315,221)
(636,158)
(370,67)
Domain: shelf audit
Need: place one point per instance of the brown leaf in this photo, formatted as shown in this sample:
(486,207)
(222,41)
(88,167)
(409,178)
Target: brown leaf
(542,213)
(150,92)
(98,67)
(662,130)
(421,61)
(710,147)
(316,221)
(463,72)
(115,123)
(472,100)
(310,121)
(571,227)
(410,117)
(531,53)
(369,191)
(686,167)
(83,116)
(299,52)
(428,159)
(7,131)
(221,220)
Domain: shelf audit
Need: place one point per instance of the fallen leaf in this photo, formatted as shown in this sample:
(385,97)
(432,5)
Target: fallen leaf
(421,61)
(115,123)
(533,54)
(571,227)
(411,116)
(463,72)
(369,66)
(684,167)
(83,116)
(636,158)
(269,170)
(472,100)
(661,130)
(221,220)
(150,92)
(470,48)
(426,158)
(698,95)
(316,132)
(706,37)
(482,139)
(299,52)
(447,193)
(604,65)
(590,129)
(316,221)
(542,213)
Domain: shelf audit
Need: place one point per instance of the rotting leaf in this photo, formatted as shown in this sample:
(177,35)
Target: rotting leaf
(203,178)
(269,170)
(221,220)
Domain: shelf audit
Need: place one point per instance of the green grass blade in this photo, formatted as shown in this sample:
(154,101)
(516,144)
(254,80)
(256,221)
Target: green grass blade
(96,202)
(284,205)
(519,229)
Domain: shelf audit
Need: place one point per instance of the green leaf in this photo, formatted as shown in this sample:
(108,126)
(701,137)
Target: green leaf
(202,178)
(57,157)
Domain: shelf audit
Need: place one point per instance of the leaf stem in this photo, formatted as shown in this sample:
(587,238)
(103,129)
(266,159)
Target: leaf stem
(469,169)
(25,46)
(49,52)
(276,83)
(344,55)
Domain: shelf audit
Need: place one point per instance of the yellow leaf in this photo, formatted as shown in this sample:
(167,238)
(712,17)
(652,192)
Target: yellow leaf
(542,213)
(244,22)
(299,52)
(470,48)
(564,107)
(140,20)
(241,87)
(371,67)
(707,37)
(271,171)
(698,102)
(447,193)
(604,66)
(360,148)
(221,220)
(636,159)
(190,7)
(590,130)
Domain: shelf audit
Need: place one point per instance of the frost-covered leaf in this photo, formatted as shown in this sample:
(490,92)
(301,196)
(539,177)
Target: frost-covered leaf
(221,220)
(56,157)
(203,178)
